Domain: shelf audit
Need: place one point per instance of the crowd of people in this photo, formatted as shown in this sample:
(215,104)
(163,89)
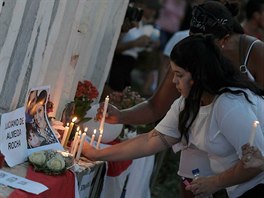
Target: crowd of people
(208,99)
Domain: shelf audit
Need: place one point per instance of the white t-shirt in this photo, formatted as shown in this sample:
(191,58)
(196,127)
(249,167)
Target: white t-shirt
(176,38)
(136,33)
(191,157)
(226,128)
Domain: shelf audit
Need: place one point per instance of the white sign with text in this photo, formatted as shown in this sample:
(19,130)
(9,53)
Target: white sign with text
(13,137)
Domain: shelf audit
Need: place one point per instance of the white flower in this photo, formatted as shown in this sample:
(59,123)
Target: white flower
(38,158)
(56,163)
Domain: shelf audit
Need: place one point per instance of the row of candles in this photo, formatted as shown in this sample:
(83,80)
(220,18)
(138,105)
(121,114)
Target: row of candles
(80,137)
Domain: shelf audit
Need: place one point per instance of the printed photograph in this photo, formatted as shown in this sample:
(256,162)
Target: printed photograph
(39,132)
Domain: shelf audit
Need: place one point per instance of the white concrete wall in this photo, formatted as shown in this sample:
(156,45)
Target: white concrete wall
(56,43)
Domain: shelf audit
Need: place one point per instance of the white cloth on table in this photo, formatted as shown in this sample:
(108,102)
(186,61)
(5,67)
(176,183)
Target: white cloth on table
(139,179)
(77,194)
(138,173)
(113,186)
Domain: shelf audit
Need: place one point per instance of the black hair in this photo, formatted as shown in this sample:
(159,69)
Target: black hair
(134,14)
(253,6)
(214,18)
(211,73)
(185,24)
(42,97)
(41,100)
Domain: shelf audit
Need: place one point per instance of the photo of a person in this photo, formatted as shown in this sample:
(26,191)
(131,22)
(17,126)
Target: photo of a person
(33,139)
(43,128)
(39,132)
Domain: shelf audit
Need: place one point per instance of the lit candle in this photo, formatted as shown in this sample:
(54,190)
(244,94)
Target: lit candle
(101,128)
(66,130)
(81,146)
(69,131)
(93,136)
(99,139)
(253,132)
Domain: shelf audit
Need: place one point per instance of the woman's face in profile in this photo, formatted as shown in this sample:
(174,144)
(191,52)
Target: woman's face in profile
(39,116)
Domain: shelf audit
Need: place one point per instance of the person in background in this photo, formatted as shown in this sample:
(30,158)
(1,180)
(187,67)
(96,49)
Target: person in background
(131,43)
(252,157)
(177,36)
(230,39)
(254,22)
(170,17)
(235,47)
(205,117)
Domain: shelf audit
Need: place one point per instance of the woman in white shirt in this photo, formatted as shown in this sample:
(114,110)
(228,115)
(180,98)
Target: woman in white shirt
(214,114)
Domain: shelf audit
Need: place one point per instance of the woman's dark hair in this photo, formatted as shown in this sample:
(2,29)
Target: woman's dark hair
(214,18)
(211,73)
(185,24)
(41,100)
(42,97)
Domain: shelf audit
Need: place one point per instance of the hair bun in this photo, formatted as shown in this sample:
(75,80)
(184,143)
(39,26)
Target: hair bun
(232,7)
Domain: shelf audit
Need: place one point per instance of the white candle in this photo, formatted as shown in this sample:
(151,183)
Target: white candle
(93,136)
(76,145)
(99,139)
(253,132)
(74,141)
(81,146)
(69,131)
(101,128)
(66,130)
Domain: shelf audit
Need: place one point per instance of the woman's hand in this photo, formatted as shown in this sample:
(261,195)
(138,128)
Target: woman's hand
(113,114)
(203,186)
(252,157)
(89,151)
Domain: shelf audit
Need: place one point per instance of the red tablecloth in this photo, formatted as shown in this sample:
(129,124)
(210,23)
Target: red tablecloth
(59,186)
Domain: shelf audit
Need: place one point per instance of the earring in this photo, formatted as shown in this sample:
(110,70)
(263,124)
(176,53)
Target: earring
(222,46)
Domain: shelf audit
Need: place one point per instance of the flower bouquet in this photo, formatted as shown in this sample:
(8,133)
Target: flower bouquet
(123,100)
(84,97)
(51,162)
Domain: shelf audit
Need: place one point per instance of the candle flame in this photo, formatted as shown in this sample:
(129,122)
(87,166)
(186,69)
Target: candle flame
(256,123)
(86,129)
(74,119)
(101,131)
(94,131)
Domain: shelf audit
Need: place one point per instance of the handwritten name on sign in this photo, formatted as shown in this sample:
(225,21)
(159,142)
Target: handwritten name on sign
(14,133)
(13,130)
